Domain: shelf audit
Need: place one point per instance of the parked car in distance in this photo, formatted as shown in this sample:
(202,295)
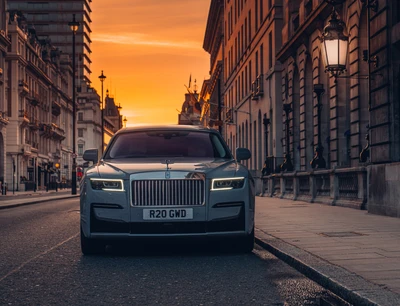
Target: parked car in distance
(166,181)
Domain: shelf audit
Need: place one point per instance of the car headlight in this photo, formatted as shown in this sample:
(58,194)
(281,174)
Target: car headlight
(107,184)
(227,183)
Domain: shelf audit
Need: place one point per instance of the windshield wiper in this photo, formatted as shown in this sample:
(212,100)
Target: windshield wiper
(129,156)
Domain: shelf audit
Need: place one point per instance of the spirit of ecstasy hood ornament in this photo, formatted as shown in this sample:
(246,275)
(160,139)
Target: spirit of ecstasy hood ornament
(167,173)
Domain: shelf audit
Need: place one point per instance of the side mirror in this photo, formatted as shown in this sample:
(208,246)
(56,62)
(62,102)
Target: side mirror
(91,155)
(242,154)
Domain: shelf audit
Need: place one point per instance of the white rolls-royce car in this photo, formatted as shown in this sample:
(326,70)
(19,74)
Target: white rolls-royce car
(166,181)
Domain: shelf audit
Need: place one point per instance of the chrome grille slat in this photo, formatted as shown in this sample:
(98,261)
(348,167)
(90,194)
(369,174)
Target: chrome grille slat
(188,192)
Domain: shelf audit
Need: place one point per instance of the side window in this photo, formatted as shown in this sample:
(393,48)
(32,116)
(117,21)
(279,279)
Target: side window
(219,148)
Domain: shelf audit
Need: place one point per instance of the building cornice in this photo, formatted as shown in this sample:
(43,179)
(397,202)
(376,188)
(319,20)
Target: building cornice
(213,22)
(4,41)
(314,22)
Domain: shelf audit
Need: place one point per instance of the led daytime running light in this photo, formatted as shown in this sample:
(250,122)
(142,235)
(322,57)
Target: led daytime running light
(107,184)
(227,183)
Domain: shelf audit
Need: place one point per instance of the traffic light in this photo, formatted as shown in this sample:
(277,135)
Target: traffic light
(57,166)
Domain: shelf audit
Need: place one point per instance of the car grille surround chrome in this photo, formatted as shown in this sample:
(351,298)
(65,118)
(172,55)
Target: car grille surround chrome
(168,192)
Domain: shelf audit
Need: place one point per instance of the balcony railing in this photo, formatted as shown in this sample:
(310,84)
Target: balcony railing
(229,116)
(35,146)
(23,87)
(45,129)
(26,149)
(3,118)
(33,124)
(57,133)
(257,87)
(35,99)
(24,115)
(340,187)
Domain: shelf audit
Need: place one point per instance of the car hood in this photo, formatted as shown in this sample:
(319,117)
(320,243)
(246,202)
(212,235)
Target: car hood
(124,168)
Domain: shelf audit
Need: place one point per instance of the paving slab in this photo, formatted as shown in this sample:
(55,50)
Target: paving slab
(340,248)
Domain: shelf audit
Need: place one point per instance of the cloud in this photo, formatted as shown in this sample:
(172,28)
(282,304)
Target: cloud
(140,39)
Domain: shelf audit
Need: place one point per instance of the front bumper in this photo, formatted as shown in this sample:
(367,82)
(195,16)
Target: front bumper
(233,223)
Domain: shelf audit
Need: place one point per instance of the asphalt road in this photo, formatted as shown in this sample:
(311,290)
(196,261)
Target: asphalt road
(41,264)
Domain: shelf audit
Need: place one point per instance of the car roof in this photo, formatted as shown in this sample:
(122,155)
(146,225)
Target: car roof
(170,127)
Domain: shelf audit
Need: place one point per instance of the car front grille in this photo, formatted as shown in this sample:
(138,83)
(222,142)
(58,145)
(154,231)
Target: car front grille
(171,192)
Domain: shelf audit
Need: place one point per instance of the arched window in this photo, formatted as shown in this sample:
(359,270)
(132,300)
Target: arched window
(246,139)
(296,119)
(362,108)
(309,116)
(325,115)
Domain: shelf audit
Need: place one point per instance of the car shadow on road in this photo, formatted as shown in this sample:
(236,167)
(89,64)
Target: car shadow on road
(172,247)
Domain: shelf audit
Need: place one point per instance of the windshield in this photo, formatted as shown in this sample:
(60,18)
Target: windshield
(167,144)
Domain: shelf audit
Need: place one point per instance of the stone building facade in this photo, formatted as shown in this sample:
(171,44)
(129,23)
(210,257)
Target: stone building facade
(39,109)
(360,108)
(36,137)
(282,104)
(51,18)
(243,38)
(88,123)
(4,45)
(112,117)
(211,91)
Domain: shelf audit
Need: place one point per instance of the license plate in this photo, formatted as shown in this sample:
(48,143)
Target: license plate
(168,214)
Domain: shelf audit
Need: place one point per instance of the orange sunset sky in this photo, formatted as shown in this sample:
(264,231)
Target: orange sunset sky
(148,49)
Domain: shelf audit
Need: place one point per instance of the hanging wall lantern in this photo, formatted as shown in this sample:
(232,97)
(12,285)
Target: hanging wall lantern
(335,43)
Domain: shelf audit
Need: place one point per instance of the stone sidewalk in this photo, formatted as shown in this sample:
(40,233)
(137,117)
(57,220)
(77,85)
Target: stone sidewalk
(354,254)
(19,198)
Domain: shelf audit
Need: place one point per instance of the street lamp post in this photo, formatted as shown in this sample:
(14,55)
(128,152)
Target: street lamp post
(74,25)
(287,163)
(266,123)
(267,169)
(318,161)
(335,43)
(102,77)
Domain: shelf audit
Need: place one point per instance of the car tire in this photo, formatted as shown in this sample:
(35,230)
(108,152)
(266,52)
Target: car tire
(91,246)
(246,244)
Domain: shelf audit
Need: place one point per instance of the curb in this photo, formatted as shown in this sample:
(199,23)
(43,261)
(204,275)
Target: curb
(357,291)
(34,201)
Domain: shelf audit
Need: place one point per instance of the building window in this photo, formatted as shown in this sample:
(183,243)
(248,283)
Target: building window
(256,15)
(257,65)
(249,21)
(80,149)
(80,132)
(270,57)
(262,59)
(80,116)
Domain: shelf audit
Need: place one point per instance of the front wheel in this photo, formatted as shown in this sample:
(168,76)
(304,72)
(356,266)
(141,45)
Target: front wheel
(91,246)
(246,244)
